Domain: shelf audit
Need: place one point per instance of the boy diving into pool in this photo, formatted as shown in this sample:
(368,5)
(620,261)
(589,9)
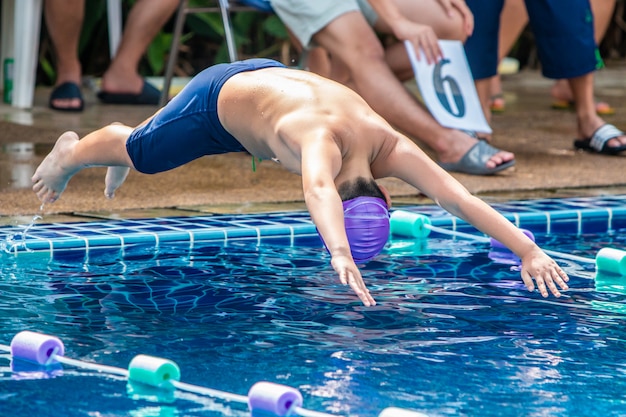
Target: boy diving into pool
(312,126)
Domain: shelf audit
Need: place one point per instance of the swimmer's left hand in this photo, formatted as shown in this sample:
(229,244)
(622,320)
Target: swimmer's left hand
(545,271)
(349,274)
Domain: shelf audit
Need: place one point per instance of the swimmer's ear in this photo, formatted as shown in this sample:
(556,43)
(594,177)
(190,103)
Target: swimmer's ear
(386,194)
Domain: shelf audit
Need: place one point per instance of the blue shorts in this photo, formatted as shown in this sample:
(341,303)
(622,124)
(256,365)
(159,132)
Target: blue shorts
(564,37)
(188,126)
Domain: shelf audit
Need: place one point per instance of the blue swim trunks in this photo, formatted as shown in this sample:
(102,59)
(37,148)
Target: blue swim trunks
(188,127)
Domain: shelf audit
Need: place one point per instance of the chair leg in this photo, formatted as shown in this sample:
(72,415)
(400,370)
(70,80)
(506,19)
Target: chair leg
(181,13)
(228,30)
(114,19)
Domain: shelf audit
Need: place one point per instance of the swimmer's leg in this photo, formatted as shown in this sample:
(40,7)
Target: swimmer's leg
(114,179)
(103,147)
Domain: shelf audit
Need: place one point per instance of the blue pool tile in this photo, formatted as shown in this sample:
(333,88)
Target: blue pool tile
(276,230)
(573,215)
(209,234)
(535,222)
(69,243)
(141,239)
(281,240)
(234,233)
(595,221)
(617,217)
(174,236)
(70,255)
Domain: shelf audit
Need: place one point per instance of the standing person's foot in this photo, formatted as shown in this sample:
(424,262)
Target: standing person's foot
(67,97)
(563,99)
(53,174)
(129,90)
(602,108)
(149,95)
(467,154)
(497,105)
(605,139)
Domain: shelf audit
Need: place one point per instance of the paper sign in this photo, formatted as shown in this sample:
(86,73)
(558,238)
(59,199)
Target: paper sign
(447,88)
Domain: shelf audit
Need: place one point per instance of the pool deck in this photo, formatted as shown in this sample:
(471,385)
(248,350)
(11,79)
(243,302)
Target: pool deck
(547,165)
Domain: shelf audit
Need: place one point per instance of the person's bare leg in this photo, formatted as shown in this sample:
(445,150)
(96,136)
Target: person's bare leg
(317,61)
(426,12)
(496,96)
(114,178)
(483,89)
(64,21)
(602,14)
(587,118)
(145,20)
(103,147)
(513,20)
(351,41)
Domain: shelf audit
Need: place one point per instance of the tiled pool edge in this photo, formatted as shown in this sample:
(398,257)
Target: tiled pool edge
(570,215)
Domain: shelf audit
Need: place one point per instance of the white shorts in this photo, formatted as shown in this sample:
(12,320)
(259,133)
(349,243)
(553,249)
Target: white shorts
(305,18)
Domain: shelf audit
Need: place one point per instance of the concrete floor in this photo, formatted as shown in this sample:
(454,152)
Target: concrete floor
(547,164)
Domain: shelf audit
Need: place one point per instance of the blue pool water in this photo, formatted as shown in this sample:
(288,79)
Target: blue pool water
(238,299)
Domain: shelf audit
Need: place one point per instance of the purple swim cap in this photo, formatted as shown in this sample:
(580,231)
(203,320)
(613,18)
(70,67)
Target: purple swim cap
(367,226)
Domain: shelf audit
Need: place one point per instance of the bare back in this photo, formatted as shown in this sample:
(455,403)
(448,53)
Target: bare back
(273,111)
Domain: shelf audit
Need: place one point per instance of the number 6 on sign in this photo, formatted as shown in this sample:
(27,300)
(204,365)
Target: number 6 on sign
(447,88)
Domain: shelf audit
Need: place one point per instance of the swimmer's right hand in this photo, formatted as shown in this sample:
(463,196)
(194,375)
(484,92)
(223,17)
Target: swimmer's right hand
(349,274)
(544,270)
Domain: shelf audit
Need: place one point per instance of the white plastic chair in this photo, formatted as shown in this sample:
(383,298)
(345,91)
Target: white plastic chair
(21,24)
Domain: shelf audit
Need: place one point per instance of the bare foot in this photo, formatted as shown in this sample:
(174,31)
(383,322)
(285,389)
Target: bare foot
(459,143)
(53,174)
(114,179)
(563,98)
(121,82)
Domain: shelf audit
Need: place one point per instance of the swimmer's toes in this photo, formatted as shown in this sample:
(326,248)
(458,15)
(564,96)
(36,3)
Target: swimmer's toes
(51,197)
(44,194)
(37,186)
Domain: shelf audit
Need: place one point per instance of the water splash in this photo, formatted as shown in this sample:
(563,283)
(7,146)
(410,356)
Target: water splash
(18,240)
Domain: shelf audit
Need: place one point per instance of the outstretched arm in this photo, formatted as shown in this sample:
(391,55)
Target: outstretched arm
(410,164)
(321,162)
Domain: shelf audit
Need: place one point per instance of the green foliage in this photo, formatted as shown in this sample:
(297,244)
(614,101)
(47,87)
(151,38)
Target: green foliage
(256,34)
(157,52)
(275,27)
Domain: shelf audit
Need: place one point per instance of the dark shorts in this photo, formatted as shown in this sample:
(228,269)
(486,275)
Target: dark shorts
(188,127)
(563,34)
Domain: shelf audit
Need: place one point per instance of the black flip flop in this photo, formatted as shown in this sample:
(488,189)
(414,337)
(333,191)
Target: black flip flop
(66,91)
(149,95)
(598,142)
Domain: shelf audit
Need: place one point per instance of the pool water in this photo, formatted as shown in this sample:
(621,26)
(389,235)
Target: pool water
(454,333)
